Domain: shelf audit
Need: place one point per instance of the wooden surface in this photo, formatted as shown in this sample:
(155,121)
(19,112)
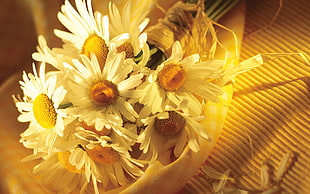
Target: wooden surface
(270,113)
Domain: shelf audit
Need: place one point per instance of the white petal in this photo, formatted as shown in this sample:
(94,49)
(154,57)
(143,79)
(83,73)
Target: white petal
(176,53)
(131,82)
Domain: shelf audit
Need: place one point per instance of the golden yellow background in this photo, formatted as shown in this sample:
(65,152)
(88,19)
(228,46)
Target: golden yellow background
(269,115)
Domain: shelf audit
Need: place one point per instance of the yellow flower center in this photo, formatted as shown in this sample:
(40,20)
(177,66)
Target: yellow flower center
(170,126)
(95,44)
(103,155)
(44,111)
(63,158)
(104,132)
(127,48)
(103,93)
(172,77)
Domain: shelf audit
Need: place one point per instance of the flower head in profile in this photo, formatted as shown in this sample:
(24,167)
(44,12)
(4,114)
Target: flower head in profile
(171,129)
(178,80)
(106,158)
(125,22)
(99,95)
(125,136)
(41,106)
(89,31)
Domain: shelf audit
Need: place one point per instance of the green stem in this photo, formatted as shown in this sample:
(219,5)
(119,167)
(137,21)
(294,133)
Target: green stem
(215,9)
(64,106)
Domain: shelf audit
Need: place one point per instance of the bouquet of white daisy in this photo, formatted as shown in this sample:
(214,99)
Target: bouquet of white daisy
(121,96)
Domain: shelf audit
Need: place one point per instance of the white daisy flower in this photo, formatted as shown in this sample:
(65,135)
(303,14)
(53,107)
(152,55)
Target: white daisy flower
(134,26)
(108,162)
(177,80)
(99,96)
(89,31)
(41,106)
(59,175)
(171,129)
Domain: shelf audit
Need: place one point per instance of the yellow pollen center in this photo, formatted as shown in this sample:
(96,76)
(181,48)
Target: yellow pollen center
(103,155)
(170,126)
(95,44)
(44,111)
(127,48)
(103,93)
(104,132)
(63,158)
(172,77)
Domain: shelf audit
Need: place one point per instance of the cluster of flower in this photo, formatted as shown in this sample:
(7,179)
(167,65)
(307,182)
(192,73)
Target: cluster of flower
(104,114)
